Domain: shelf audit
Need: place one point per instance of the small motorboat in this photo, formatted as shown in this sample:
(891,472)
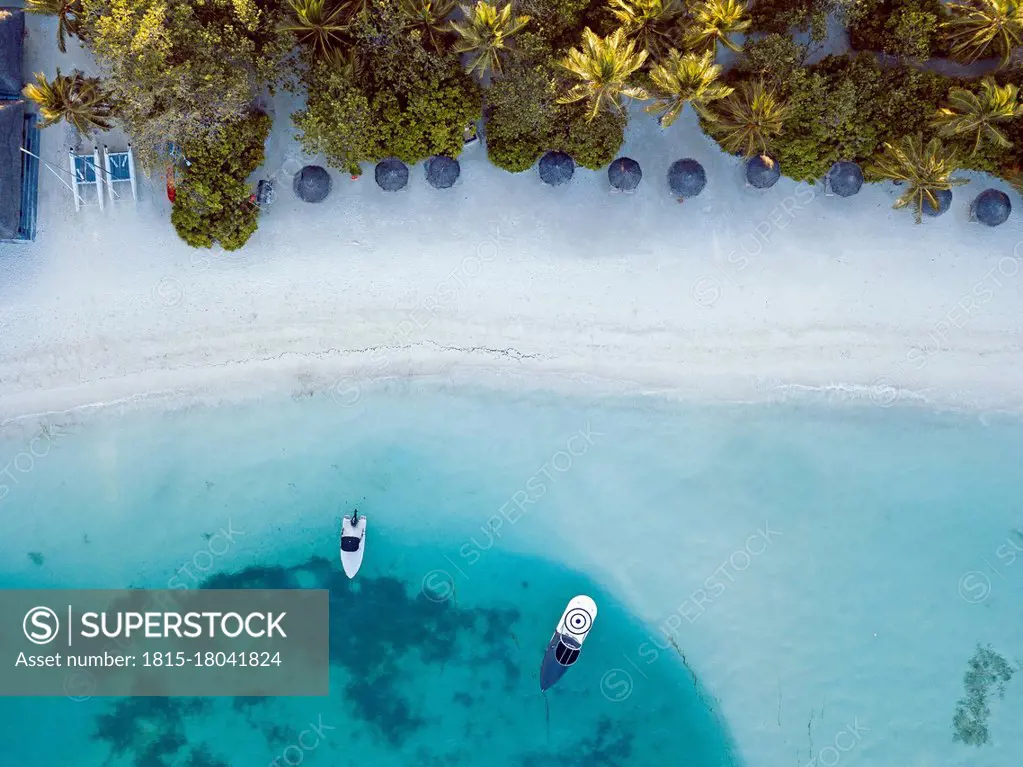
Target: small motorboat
(353,543)
(564,648)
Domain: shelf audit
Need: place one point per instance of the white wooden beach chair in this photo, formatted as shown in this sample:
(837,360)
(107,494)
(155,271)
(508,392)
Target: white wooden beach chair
(85,172)
(120,172)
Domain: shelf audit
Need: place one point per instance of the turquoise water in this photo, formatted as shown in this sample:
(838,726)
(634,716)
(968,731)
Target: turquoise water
(436,646)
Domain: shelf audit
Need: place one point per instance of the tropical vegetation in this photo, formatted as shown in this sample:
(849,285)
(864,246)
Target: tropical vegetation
(412,78)
(212,201)
(68,13)
(924,168)
(80,100)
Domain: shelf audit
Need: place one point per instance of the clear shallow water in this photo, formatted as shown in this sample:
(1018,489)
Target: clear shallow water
(672,489)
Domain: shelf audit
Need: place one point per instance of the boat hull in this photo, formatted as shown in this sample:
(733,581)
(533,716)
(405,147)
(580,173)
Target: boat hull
(567,642)
(351,561)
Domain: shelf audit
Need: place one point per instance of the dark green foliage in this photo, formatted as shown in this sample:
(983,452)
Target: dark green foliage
(429,120)
(592,144)
(906,28)
(350,126)
(556,21)
(524,120)
(212,198)
(988,671)
(780,16)
(397,98)
(843,108)
(521,112)
(337,121)
(775,58)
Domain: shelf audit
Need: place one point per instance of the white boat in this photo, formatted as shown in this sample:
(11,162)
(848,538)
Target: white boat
(353,543)
(566,644)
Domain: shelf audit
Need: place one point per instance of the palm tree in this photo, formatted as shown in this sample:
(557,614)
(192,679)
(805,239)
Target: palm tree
(980,28)
(748,117)
(977,113)
(653,24)
(603,66)
(320,24)
(926,169)
(685,78)
(713,21)
(484,35)
(69,17)
(428,17)
(76,98)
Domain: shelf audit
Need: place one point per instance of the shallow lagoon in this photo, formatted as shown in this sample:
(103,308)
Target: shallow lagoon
(825,570)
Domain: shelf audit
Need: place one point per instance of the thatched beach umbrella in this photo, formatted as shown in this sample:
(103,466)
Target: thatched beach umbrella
(442,172)
(762,171)
(312,184)
(556,168)
(686,178)
(991,207)
(624,174)
(944,197)
(845,178)
(391,174)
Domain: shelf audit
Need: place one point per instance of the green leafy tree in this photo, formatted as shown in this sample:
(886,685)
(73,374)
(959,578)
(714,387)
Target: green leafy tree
(601,68)
(522,115)
(68,13)
(337,121)
(180,70)
(980,28)
(78,99)
(779,16)
(683,79)
(748,118)
(979,114)
(911,33)
(484,35)
(320,24)
(212,201)
(715,21)
(428,19)
(924,168)
(654,25)
(592,142)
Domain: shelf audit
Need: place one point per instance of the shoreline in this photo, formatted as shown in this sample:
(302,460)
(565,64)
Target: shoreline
(738,295)
(339,377)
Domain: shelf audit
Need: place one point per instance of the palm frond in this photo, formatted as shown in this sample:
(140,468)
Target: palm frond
(78,99)
(485,35)
(601,69)
(981,28)
(715,21)
(979,113)
(683,79)
(924,168)
(747,118)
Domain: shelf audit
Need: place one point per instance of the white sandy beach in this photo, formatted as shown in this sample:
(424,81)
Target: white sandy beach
(739,294)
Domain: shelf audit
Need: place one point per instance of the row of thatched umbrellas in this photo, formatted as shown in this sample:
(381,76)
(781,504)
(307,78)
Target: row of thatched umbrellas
(686,178)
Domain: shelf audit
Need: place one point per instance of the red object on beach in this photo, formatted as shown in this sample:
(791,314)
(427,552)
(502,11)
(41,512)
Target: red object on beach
(171,190)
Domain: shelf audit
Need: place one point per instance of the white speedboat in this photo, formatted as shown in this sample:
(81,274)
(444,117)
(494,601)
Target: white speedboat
(566,644)
(353,543)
